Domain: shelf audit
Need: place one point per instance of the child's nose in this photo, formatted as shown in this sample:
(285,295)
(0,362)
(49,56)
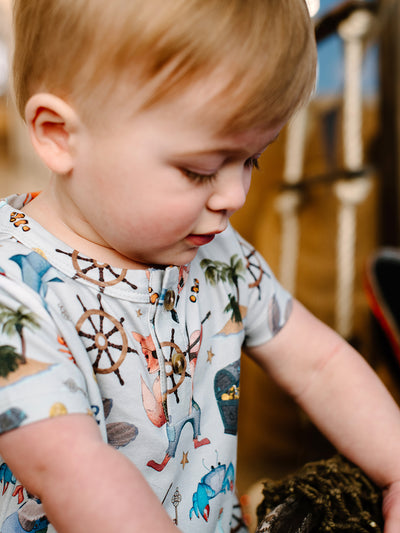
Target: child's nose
(230,191)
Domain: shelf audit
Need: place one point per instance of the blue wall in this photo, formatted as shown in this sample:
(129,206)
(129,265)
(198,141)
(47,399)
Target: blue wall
(330,53)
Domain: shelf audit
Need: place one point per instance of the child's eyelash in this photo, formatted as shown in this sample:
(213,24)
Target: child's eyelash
(197,177)
(252,162)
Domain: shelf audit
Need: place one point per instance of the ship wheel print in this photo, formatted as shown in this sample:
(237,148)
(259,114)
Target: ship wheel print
(253,266)
(175,366)
(98,271)
(108,336)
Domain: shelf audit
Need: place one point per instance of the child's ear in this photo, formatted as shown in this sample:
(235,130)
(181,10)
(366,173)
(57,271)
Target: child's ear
(52,125)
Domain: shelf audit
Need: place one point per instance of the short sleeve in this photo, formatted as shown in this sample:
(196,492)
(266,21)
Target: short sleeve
(38,375)
(269,304)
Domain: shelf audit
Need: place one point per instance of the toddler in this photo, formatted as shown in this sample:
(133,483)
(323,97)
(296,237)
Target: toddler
(125,295)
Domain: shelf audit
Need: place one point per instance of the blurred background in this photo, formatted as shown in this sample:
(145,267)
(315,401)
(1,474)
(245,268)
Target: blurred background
(20,169)
(325,200)
(326,197)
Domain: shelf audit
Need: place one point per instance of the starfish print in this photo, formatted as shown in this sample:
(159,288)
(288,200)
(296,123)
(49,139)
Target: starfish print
(185,460)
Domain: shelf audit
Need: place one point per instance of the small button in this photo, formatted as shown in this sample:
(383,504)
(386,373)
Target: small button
(169,300)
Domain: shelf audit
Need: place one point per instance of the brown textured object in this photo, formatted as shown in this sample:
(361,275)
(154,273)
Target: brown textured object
(324,496)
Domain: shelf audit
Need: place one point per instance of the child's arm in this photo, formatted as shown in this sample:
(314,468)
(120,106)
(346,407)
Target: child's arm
(343,396)
(84,484)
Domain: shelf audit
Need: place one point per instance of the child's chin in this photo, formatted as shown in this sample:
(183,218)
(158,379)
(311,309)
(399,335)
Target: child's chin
(182,260)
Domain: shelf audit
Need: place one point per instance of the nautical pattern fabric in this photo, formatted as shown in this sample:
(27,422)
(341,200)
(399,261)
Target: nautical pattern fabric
(153,355)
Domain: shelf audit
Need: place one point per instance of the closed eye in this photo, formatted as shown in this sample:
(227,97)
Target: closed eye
(197,177)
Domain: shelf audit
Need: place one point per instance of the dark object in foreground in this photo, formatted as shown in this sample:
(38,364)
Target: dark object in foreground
(382,290)
(331,496)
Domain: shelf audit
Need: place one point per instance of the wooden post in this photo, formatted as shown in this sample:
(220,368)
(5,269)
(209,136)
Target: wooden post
(388,150)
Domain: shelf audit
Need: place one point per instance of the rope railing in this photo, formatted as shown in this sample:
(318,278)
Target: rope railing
(352,21)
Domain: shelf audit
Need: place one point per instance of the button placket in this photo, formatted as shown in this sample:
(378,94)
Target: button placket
(173,342)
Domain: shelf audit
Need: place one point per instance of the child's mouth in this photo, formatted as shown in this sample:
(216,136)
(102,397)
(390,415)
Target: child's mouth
(200,240)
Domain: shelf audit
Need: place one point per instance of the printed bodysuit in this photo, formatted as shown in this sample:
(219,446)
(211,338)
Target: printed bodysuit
(153,355)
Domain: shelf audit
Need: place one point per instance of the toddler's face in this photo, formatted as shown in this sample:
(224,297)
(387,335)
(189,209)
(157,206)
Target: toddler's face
(157,186)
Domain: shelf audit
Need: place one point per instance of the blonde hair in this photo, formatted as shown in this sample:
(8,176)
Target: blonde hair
(82,49)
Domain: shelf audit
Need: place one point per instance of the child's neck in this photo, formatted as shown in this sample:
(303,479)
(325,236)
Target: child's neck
(45,210)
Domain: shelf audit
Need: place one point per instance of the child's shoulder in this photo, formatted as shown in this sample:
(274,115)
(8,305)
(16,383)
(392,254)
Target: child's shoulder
(21,256)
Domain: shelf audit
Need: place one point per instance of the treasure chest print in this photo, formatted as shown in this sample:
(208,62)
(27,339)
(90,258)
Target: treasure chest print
(227,392)
(169,400)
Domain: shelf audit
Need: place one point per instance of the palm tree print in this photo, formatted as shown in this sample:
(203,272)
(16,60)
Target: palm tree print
(15,321)
(216,271)
(10,360)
